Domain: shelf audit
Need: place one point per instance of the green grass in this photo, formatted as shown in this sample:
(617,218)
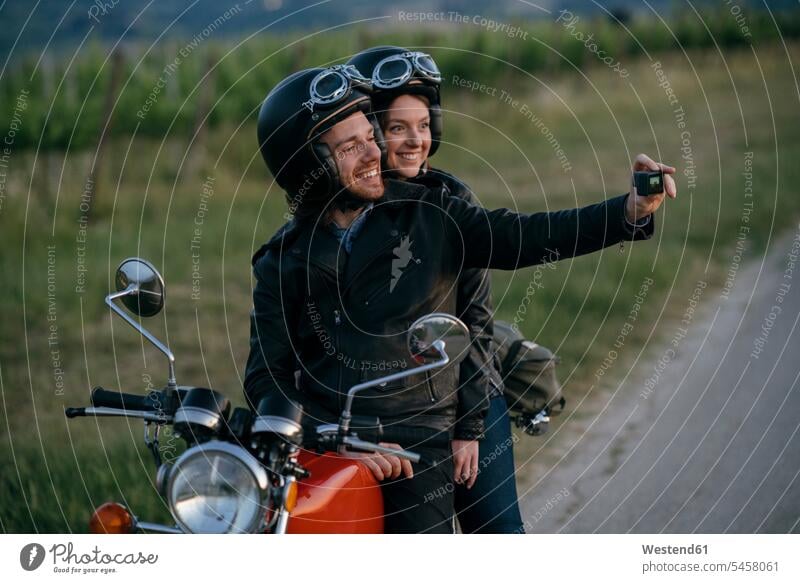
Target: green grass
(53,472)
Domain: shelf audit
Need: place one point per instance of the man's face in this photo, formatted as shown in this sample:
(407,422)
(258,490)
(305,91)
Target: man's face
(358,158)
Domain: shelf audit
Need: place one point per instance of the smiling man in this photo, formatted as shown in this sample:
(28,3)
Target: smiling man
(329,302)
(358,158)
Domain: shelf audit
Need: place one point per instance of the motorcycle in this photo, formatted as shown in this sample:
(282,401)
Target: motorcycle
(247,471)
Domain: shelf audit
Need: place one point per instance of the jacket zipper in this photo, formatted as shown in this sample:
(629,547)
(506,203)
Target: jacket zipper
(429,384)
(497,390)
(337,320)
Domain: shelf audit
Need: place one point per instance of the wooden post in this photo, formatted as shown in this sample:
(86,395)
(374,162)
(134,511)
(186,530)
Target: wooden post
(45,167)
(205,97)
(92,183)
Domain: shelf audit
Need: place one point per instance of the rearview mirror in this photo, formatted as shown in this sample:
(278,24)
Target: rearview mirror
(146,296)
(438,331)
(434,341)
(141,290)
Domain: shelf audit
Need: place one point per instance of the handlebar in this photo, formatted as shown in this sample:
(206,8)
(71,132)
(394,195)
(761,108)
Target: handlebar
(72,412)
(118,400)
(537,424)
(151,406)
(361,445)
(153,416)
(329,438)
(154,406)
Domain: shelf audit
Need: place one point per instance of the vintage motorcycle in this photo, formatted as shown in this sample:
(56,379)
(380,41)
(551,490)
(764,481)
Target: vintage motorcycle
(245,471)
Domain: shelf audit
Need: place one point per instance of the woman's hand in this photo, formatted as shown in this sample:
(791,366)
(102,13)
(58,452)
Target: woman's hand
(465,462)
(638,207)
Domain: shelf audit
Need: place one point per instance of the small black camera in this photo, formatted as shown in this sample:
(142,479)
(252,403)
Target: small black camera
(648,183)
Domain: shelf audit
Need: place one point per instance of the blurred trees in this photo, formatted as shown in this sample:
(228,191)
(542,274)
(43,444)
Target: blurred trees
(65,108)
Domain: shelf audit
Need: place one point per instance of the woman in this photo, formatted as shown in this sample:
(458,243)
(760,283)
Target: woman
(407,105)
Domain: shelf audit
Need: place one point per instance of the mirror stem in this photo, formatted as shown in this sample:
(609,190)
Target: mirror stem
(344,421)
(131,290)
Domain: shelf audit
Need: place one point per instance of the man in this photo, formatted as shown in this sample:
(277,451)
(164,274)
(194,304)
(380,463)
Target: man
(333,300)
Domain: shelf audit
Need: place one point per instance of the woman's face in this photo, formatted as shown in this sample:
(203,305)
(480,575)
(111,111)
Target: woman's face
(407,133)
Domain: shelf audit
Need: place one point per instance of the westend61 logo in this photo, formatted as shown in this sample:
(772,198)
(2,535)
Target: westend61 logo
(66,560)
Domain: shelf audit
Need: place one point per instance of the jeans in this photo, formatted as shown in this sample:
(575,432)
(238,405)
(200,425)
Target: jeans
(491,507)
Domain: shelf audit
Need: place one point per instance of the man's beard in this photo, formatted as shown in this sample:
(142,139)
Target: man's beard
(347,199)
(366,194)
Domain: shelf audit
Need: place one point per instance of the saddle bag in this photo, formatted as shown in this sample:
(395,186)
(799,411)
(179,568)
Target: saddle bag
(528,369)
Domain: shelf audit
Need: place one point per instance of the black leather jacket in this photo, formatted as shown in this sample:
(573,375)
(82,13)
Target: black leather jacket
(479,376)
(342,319)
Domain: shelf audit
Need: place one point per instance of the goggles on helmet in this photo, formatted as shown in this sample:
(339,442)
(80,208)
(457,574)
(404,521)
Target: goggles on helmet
(396,70)
(333,85)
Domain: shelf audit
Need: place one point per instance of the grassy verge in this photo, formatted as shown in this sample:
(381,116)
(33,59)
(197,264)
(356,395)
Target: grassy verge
(58,341)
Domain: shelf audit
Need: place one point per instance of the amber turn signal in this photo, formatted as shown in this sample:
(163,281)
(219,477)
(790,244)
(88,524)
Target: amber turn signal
(111,518)
(290,496)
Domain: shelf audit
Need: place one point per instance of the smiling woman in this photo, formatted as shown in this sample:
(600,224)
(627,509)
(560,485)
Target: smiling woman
(408,109)
(407,132)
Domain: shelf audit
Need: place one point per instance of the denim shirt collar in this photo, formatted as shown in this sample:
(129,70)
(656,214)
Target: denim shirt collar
(347,235)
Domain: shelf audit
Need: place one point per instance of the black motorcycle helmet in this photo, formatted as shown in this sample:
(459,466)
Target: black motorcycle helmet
(402,72)
(293,116)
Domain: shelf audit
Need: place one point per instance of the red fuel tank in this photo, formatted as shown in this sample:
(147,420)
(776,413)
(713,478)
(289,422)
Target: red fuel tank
(341,497)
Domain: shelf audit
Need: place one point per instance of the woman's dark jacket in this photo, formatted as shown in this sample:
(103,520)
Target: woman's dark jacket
(479,377)
(342,319)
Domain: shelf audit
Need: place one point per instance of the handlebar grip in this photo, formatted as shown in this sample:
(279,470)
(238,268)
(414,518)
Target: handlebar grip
(355,444)
(103,398)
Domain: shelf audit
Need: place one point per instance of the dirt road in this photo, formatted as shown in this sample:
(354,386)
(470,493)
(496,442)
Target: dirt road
(702,436)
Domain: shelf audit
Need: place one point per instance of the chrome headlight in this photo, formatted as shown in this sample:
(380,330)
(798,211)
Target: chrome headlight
(217,488)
